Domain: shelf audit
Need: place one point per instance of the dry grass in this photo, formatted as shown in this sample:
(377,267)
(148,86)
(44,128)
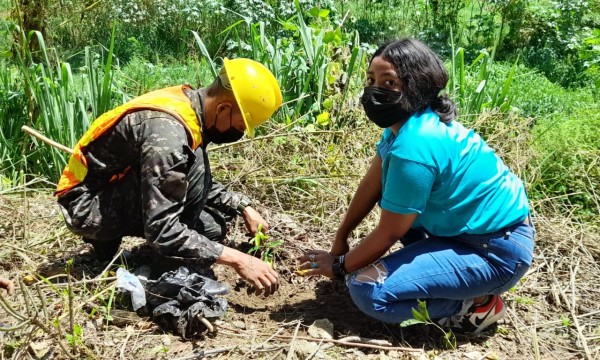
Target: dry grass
(304,181)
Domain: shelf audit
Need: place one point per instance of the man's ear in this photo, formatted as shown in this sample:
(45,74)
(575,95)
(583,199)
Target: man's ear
(223,106)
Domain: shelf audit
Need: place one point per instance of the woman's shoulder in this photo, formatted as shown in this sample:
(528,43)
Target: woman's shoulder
(423,125)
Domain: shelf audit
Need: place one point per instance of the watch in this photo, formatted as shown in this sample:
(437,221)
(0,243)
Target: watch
(339,266)
(244,203)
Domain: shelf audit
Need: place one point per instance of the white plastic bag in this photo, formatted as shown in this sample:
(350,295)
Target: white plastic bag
(127,282)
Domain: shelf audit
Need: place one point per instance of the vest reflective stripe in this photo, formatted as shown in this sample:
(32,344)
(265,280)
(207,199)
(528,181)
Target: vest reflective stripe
(170,100)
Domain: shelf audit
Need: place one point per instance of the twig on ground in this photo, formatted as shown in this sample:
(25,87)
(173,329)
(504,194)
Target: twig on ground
(293,342)
(339,342)
(122,352)
(319,348)
(573,311)
(535,343)
(204,353)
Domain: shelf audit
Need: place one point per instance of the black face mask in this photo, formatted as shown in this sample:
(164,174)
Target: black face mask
(383,106)
(228,136)
(220,137)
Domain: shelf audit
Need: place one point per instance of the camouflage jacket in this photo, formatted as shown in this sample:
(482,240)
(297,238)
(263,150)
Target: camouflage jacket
(156,144)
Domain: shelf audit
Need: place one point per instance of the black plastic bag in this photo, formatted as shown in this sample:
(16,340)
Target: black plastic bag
(180,300)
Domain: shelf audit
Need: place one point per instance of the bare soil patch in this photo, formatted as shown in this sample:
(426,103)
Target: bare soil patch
(553,313)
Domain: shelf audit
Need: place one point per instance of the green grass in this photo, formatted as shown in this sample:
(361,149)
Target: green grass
(139,75)
(320,66)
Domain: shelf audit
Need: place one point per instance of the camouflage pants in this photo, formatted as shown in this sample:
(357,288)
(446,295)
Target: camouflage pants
(106,214)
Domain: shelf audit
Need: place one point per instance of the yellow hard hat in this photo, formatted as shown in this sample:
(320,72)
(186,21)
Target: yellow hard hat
(255,88)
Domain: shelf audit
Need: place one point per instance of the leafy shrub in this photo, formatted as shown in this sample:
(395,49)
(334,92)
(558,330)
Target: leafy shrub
(553,34)
(315,63)
(144,27)
(140,75)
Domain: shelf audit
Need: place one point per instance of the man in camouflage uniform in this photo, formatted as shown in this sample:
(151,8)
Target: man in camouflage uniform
(167,194)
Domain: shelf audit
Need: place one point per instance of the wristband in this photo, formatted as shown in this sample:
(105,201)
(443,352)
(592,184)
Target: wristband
(339,267)
(244,203)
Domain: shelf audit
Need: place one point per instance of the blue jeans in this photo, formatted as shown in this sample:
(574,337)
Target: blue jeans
(445,272)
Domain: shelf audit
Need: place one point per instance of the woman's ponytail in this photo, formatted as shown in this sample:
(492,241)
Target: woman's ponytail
(444,107)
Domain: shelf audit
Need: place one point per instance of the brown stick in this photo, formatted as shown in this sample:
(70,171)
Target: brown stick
(336,342)
(48,141)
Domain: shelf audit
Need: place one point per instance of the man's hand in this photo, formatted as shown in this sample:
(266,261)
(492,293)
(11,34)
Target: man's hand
(252,219)
(8,285)
(258,273)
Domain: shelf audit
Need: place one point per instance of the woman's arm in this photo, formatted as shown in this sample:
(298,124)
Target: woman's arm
(366,196)
(390,229)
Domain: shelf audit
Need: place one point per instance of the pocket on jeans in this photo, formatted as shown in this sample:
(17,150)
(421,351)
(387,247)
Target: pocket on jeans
(481,243)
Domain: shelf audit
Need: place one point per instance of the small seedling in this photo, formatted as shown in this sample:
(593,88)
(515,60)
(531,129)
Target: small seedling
(266,248)
(566,322)
(421,316)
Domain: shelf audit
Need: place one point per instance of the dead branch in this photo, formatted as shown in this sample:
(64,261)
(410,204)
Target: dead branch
(363,344)
(48,141)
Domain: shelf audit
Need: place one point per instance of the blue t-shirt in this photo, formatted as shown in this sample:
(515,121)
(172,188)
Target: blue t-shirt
(448,175)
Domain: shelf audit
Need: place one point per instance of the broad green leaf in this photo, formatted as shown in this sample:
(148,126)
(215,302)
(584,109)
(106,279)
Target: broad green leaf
(418,316)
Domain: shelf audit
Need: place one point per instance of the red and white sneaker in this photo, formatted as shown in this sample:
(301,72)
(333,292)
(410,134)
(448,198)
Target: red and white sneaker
(482,316)
(479,317)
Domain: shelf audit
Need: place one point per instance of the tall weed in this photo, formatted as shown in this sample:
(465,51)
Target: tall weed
(312,63)
(13,116)
(566,171)
(474,86)
(56,106)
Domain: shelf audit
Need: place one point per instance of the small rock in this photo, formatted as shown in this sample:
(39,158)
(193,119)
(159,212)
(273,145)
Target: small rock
(40,347)
(321,329)
(304,349)
(239,324)
(473,355)
(166,340)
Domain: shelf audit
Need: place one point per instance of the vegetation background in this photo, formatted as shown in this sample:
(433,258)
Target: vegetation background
(525,74)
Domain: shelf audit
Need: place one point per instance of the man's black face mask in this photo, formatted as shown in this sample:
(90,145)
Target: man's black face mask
(383,106)
(230,135)
(220,137)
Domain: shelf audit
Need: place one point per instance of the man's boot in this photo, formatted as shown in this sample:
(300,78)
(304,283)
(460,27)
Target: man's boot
(104,250)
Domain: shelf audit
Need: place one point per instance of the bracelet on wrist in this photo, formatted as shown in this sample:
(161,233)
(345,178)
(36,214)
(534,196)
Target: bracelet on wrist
(339,266)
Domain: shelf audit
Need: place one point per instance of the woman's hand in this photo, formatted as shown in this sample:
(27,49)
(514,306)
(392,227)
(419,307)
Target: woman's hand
(252,220)
(316,262)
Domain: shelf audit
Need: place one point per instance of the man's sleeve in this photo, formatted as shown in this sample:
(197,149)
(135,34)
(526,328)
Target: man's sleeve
(406,186)
(224,200)
(165,159)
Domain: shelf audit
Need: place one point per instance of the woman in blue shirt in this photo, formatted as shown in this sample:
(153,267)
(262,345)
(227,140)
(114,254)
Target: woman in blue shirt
(461,214)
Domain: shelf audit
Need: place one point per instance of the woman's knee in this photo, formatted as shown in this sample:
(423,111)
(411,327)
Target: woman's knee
(364,286)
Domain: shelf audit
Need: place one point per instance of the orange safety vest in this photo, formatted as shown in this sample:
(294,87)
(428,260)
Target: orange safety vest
(171,100)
